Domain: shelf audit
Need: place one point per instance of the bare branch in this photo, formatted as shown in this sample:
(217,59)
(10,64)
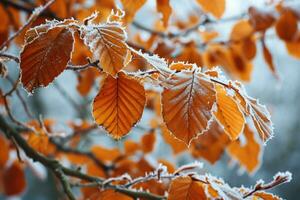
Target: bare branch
(35,14)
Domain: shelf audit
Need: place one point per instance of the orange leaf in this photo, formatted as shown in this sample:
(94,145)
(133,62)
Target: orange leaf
(260,20)
(208,36)
(187,101)
(287,26)
(86,80)
(119,104)
(239,66)
(40,142)
(248,154)
(130,147)
(184,188)
(163,6)
(241,30)
(261,119)
(228,114)
(266,196)
(14,181)
(112,194)
(190,54)
(4,25)
(107,42)
(177,145)
(211,144)
(105,154)
(4,151)
(258,113)
(268,57)
(215,7)
(293,48)
(148,142)
(169,165)
(131,7)
(44,58)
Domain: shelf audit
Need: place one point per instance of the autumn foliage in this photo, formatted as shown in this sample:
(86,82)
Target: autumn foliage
(195,106)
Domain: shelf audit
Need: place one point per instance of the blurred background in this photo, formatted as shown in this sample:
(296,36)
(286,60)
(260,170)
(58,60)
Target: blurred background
(280,95)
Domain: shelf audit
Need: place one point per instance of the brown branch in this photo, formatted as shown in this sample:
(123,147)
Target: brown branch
(35,14)
(61,172)
(12,118)
(279,179)
(82,67)
(23,102)
(11,57)
(189,30)
(88,154)
(14,85)
(25,8)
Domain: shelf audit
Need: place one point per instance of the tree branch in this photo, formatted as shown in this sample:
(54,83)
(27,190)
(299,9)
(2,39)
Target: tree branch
(61,172)
(35,14)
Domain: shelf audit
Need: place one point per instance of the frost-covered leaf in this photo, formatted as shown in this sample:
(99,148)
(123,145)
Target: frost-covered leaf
(119,104)
(187,101)
(45,57)
(107,42)
(258,113)
(228,113)
(185,188)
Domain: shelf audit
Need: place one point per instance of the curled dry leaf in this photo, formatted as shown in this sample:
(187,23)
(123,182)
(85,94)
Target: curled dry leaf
(187,101)
(185,188)
(45,57)
(215,7)
(119,104)
(240,152)
(228,114)
(107,42)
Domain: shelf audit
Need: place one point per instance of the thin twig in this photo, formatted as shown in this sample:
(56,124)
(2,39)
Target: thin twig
(9,56)
(189,30)
(92,156)
(70,99)
(279,179)
(35,14)
(23,102)
(82,67)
